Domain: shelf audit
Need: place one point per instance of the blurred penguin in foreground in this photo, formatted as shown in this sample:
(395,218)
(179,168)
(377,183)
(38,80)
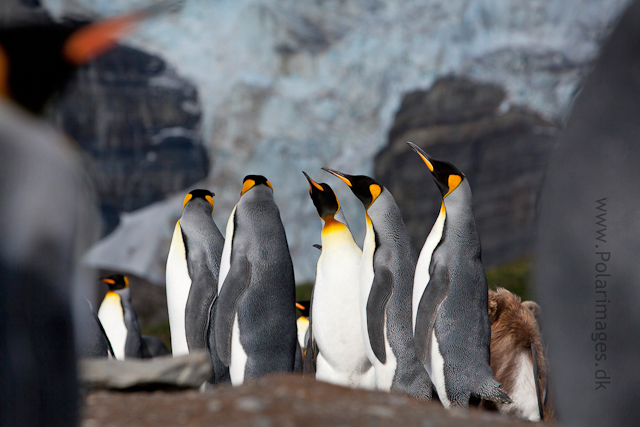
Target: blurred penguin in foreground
(47,219)
(586,274)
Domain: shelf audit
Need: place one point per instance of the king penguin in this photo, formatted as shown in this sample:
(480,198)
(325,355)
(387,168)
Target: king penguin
(43,283)
(193,267)
(255,321)
(450,317)
(386,277)
(119,319)
(337,332)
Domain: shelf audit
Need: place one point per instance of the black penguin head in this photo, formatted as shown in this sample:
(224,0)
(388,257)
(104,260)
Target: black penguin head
(116,281)
(37,60)
(251,181)
(304,307)
(446,176)
(199,194)
(323,197)
(365,188)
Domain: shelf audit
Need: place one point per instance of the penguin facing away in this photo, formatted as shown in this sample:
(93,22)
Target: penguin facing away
(450,318)
(193,267)
(337,331)
(119,320)
(386,277)
(255,319)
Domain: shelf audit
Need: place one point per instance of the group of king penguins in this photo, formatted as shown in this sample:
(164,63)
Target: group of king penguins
(381,317)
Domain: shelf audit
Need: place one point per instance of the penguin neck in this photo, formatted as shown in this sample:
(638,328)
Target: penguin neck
(385,218)
(458,209)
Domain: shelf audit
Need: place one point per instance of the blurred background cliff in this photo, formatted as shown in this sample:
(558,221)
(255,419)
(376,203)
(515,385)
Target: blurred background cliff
(220,89)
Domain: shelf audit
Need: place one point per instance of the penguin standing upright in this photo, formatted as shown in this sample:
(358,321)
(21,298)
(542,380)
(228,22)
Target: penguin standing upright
(119,319)
(42,281)
(337,332)
(255,321)
(450,318)
(193,267)
(386,277)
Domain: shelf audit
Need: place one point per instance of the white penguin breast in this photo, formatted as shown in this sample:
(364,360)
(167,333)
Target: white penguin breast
(523,395)
(111,316)
(225,260)
(238,360)
(422,276)
(178,287)
(435,369)
(336,302)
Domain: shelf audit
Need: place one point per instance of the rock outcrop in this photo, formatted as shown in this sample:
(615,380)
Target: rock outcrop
(502,153)
(160,373)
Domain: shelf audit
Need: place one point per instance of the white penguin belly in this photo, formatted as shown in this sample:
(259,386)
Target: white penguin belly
(178,287)
(525,399)
(111,316)
(422,276)
(225,260)
(384,372)
(336,312)
(436,371)
(238,356)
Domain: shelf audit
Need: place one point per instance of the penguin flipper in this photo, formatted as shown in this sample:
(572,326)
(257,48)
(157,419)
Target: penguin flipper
(234,287)
(376,308)
(198,309)
(430,301)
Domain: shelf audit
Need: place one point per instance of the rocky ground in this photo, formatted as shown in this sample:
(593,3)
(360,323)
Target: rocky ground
(280,400)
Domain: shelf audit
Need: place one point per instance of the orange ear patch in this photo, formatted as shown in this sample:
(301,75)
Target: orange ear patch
(454,181)
(210,200)
(186,200)
(248,185)
(375,190)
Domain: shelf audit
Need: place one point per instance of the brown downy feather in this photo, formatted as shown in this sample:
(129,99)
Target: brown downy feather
(514,331)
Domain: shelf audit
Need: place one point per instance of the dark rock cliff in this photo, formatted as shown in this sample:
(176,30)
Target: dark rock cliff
(138,121)
(502,151)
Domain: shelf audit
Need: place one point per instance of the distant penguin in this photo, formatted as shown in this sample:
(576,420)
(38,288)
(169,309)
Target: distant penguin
(302,323)
(450,321)
(119,320)
(337,330)
(386,277)
(517,356)
(255,321)
(193,267)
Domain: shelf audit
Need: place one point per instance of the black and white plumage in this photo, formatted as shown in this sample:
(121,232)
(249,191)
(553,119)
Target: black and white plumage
(386,278)
(255,320)
(450,320)
(119,320)
(193,267)
(336,332)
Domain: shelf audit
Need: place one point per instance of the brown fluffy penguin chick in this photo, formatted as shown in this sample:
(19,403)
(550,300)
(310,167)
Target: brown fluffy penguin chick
(517,356)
